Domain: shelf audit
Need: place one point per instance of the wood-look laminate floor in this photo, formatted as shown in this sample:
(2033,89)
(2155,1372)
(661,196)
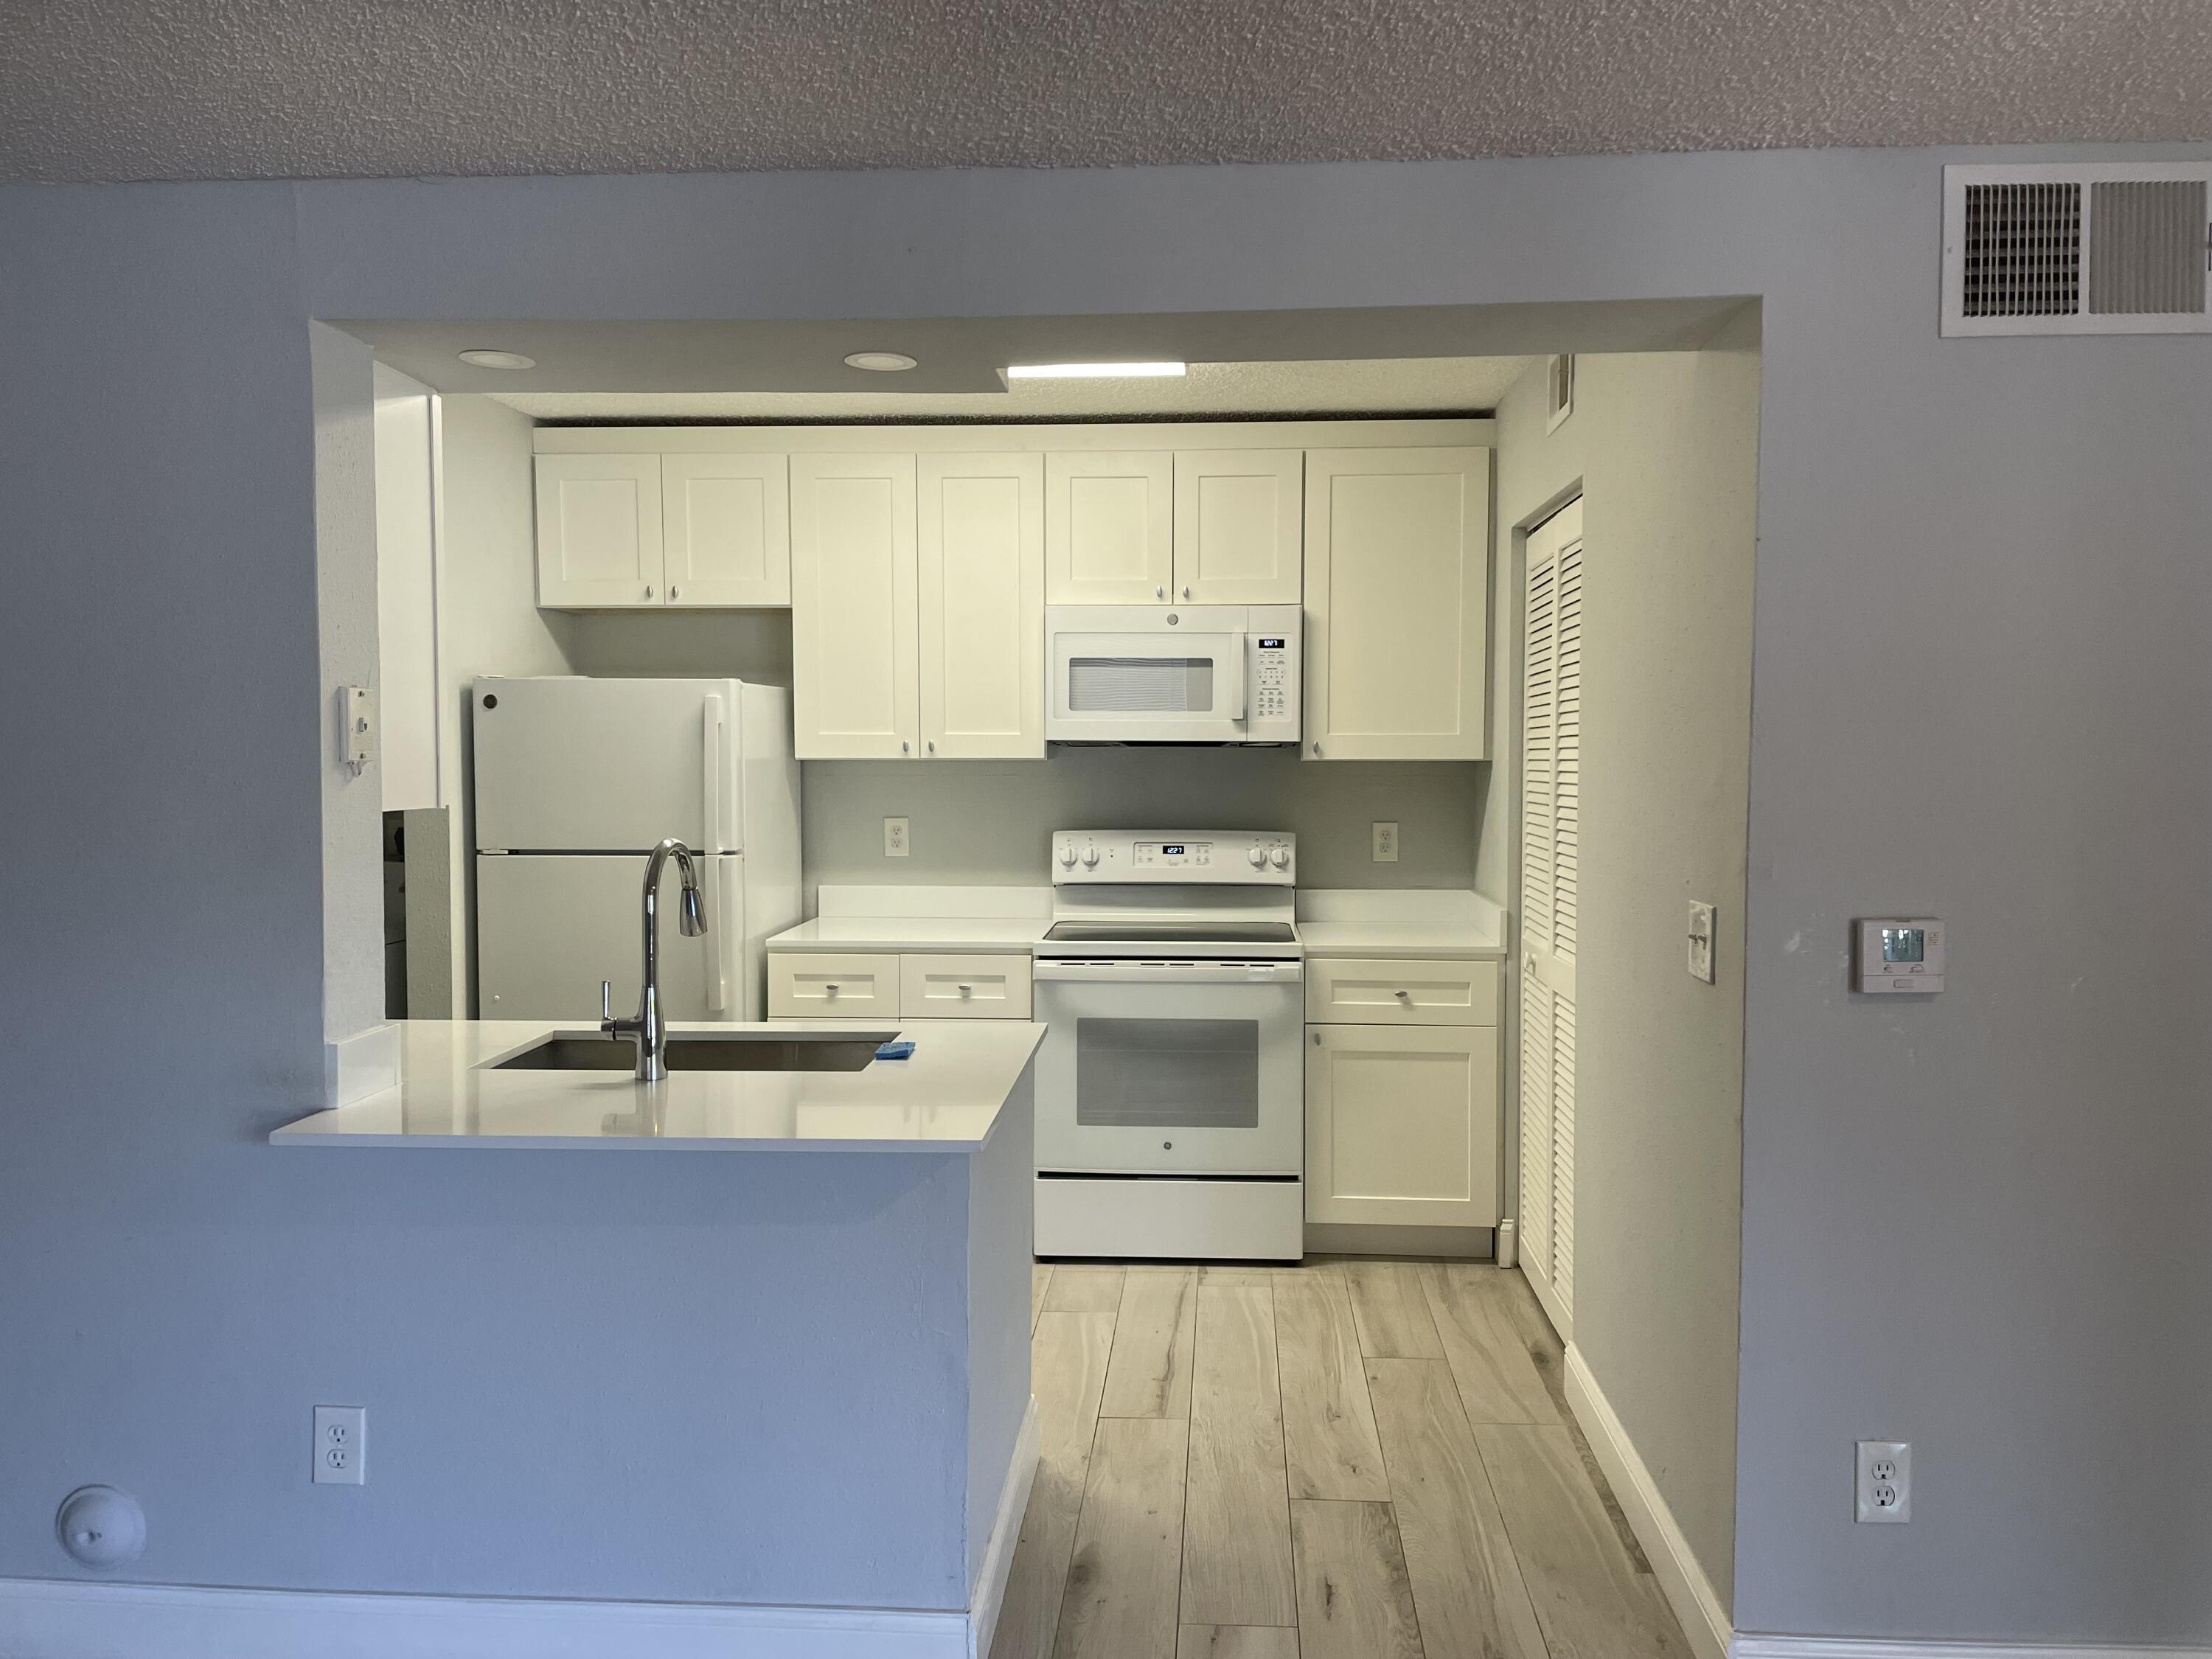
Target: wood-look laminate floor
(1352,1459)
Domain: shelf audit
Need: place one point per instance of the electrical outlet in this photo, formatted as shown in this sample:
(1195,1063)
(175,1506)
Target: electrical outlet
(895,838)
(1386,843)
(1701,942)
(341,1445)
(1885,1486)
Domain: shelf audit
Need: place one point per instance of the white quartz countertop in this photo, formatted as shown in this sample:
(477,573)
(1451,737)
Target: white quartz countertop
(1449,923)
(947,1097)
(916,934)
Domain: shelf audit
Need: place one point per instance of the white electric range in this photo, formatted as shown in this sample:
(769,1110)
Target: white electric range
(1171,1090)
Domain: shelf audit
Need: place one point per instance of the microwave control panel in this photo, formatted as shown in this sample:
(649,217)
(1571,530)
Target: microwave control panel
(1224,857)
(1274,697)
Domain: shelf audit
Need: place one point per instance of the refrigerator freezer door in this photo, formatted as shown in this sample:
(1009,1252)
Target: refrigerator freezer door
(549,928)
(592,765)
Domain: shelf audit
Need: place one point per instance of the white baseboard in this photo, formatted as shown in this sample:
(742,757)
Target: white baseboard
(1903,1647)
(1688,1591)
(84,1619)
(989,1592)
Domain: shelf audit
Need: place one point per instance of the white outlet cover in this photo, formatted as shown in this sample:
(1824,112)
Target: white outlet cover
(898,838)
(341,1445)
(1386,843)
(1701,960)
(1885,1480)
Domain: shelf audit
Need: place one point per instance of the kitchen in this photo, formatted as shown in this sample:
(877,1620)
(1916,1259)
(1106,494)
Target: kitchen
(1239,853)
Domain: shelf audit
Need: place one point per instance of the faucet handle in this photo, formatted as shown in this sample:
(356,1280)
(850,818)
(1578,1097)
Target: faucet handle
(607,1006)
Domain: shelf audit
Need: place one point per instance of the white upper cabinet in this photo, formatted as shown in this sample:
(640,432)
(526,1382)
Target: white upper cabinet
(727,520)
(1397,586)
(1238,526)
(1109,526)
(981,544)
(598,531)
(853,610)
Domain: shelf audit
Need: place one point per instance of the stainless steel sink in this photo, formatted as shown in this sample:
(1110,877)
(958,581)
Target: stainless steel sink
(797,1051)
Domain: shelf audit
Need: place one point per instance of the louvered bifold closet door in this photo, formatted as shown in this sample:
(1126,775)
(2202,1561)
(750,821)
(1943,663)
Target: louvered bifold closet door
(1551,900)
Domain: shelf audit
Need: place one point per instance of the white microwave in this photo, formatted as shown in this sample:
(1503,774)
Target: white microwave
(1158,673)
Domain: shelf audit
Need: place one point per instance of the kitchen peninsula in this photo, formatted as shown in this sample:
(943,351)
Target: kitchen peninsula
(827,1304)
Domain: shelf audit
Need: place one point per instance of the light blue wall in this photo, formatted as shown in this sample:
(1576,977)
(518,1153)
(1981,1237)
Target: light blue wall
(1976,1222)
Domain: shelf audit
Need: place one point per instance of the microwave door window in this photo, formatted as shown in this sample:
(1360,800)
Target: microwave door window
(1140,685)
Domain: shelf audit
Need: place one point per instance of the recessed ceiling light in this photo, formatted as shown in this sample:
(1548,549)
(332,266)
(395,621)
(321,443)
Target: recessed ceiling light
(498,360)
(1092,371)
(883,362)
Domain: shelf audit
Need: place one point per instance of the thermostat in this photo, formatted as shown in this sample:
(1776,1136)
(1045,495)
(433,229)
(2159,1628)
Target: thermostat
(1900,954)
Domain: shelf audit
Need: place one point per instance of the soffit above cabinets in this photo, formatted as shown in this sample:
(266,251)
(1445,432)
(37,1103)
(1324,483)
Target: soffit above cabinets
(1382,386)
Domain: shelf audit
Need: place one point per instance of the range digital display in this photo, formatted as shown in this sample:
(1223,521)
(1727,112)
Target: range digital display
(1172,852)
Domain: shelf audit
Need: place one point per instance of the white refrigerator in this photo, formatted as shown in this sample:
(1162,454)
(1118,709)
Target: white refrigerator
(575,781)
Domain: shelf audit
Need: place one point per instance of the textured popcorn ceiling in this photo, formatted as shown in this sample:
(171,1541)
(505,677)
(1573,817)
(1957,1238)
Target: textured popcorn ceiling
(116,90)
(1379,386)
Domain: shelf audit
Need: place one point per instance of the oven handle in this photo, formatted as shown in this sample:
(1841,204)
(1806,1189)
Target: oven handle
(1153,973)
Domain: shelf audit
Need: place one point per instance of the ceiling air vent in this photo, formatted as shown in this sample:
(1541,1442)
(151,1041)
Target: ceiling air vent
(2092,248)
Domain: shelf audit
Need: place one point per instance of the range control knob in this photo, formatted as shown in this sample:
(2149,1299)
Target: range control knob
(1281,856)
(1068,855)
(1258,855)
(1091,855)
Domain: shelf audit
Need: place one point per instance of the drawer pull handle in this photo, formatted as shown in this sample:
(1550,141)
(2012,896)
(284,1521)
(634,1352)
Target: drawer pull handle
(1406,997)
(831,990)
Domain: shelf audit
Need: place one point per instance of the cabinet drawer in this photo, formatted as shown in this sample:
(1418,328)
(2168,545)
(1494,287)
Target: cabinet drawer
(1375,992)
(806,985)
(963,987)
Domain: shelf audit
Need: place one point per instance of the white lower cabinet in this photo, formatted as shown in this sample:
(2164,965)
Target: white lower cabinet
(915,985)
(818,985)
(1402,1118)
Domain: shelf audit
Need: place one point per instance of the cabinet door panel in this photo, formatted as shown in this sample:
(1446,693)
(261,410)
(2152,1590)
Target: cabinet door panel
(728,524)
(1237,525)
(1109,526)
(1397,595)
(853,606)
(980,543)
(598,531)
(1401,1125)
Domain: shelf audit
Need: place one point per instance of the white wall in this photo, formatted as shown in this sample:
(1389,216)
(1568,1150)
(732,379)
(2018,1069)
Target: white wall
(490,622)
(406,594)
(1665,448)
(2004,1185)
(344,555)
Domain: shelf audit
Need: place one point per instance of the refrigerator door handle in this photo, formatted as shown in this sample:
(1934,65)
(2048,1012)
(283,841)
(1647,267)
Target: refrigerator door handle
(710,772)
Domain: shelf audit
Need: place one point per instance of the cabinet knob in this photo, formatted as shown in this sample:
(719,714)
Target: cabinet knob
(831,990)
(1186,592)
(932,746)
(905,747)
(966,990)
(1316,749)
(1405,996)
(648,590)
(1159,592)
(675,592)
(1316,1039)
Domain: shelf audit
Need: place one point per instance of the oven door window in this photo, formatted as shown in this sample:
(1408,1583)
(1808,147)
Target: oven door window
(1140,685)
(1167,1074)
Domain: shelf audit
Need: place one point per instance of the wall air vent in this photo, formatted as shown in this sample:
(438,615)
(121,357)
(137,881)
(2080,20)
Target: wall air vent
(2091,248)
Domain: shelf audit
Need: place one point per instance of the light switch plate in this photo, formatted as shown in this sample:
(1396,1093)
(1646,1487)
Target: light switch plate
(1700,962)
(1386,843)
(896,840)
(357,735)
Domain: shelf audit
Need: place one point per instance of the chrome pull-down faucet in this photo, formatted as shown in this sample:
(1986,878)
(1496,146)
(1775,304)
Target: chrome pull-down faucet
(649,1030)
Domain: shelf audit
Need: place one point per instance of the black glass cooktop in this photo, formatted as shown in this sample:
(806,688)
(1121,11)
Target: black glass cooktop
(1170,932)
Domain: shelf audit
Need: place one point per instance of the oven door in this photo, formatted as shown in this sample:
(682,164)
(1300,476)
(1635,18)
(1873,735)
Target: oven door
(1155,685)
(1153,1068)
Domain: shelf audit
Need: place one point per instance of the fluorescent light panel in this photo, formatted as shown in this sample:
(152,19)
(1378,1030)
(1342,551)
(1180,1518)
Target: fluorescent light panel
(1093,371)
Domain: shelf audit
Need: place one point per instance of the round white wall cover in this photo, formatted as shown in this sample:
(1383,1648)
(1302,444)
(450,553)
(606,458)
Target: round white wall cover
(883,362)
(497,360)
(101,1527)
